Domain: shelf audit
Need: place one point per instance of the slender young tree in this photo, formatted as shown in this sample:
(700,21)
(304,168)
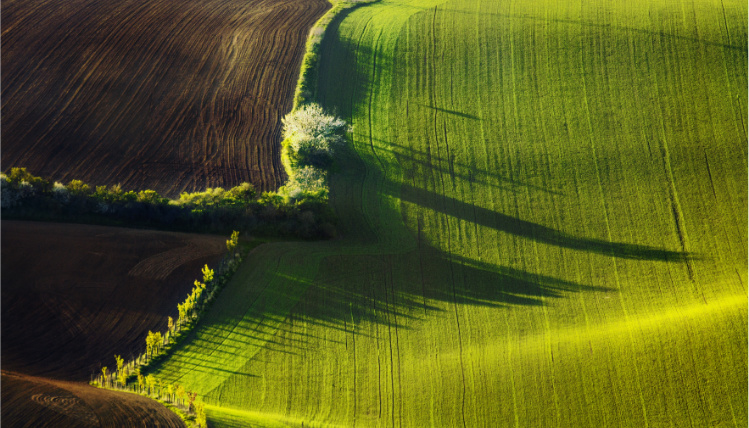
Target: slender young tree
(232,243)
(153,340)
(200,416)
(191,396)
(180,391)
(122,377)
(151,384)
(182,308)
(207,274)
(120,363)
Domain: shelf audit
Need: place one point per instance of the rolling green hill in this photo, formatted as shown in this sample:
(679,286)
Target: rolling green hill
(544,224)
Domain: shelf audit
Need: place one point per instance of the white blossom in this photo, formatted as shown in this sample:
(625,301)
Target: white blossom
(311,122)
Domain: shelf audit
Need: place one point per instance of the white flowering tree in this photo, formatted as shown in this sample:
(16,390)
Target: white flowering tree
(312,121)
(312,136)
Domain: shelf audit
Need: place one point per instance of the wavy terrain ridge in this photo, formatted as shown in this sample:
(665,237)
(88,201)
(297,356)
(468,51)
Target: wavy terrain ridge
(543,219)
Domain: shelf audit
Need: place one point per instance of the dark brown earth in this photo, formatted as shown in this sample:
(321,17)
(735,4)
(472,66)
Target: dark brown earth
(37,402)
(73,296)
(171,95)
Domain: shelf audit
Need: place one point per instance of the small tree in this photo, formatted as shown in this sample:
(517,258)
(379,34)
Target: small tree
(191,397)
(207,274)
(243,193)
(158,340)
(77,187)
(182,308)
(104,376)
(122,377)
(200,416)
(310,136)
(141,382)
(153,343)
(232,243)
(180,391)
(120,363)
(312,121)
(149,343)
(151,384)
(170,323)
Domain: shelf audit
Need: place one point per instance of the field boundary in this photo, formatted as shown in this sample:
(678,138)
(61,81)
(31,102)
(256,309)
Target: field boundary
(189,420)
(303,92)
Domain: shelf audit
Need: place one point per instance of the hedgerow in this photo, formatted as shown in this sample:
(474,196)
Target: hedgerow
(133,375)
(215,210)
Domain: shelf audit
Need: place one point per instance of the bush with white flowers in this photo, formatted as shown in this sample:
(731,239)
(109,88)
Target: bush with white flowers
(311,137)
(60,192)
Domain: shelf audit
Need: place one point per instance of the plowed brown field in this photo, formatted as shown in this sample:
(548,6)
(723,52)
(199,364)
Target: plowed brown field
(171,95)
(37,402)
(73,296)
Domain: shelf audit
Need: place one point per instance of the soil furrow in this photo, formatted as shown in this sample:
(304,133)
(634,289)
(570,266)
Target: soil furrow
(112,92)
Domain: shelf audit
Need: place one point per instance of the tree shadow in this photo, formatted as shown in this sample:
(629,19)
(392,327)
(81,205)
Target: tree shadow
(412,161)
(582,23)
(397,289)
(351,293)
(534,231)
(452,112)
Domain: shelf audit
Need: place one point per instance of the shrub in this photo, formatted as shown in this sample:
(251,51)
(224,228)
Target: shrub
(310,140)
(78,188)
(241,194)
(8,194)
(150,197)
(305,182)
(60,192)
(310,121)
(19,176)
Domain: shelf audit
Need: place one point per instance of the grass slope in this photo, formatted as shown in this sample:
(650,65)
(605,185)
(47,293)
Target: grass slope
(544,225)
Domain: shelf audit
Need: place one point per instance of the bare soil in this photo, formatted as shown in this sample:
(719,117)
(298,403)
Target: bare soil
(171,95)
(73,296)
(37,402)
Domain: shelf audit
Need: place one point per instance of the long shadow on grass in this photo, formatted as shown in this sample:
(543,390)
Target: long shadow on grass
(576,22)
(415,161)
(397,289)
(534,231)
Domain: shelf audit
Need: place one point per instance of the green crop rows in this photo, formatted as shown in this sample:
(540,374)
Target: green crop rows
(544,225)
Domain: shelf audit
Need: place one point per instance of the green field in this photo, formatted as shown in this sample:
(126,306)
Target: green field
(544,220)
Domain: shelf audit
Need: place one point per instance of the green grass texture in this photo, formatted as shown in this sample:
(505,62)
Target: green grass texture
(544,224)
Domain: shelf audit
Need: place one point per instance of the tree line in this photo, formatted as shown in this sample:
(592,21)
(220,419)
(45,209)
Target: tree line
(130,375)
(298,209)
(216,210)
